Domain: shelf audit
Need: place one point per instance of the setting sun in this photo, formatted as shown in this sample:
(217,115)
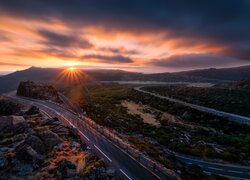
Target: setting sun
(71,69)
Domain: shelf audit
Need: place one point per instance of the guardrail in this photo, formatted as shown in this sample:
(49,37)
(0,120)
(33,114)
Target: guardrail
(82,121)
(124,145)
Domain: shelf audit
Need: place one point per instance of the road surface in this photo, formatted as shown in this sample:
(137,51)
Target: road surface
(126,166)
(231,116)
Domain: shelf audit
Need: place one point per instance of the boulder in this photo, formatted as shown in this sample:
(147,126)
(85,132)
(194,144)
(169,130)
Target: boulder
(66,170)
(36,143)
(50,121)
(17,119)
(38,91)
(7,107)
(22,127)
(27,154)
(49,139)
(5,122)
(33,110)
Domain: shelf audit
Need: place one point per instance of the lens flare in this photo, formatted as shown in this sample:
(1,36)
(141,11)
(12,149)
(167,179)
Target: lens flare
(71,69)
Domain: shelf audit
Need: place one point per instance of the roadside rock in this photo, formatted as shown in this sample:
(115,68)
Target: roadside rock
(36,143)
(34,147)
(5,122)
(49,138)
(17,119)
(27,154)
(7,107)
(66,169)
(33,110)
(38,91)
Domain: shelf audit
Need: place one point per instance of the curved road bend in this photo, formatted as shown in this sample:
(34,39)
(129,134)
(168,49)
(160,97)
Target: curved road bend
(231,116)
(126,167)
(229,170)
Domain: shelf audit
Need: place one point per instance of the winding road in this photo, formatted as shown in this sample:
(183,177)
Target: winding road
(231,116)
(126,166)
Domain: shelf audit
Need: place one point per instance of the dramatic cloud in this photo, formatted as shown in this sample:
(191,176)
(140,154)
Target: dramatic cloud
(63,40)
(108,59)
(131,31)
(11,64)
(120,50)
(194,61)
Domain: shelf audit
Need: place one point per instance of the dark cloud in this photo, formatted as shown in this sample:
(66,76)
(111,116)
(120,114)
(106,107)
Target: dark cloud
(195,61)
(58,52)
(108,59)
(12,64)
(120,50)
(224,22)
(63,40)
(4,36)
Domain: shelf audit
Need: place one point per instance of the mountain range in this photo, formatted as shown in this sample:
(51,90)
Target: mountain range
(59,76)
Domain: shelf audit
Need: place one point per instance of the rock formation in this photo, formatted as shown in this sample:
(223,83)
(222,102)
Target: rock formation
(35,147)
(38,91)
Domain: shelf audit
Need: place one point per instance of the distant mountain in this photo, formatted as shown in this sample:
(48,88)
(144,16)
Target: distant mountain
(10,82)
(59,77)
(230,74)
(242,84)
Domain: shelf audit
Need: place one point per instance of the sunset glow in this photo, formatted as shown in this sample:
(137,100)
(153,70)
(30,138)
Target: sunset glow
(99,39)
(72,69)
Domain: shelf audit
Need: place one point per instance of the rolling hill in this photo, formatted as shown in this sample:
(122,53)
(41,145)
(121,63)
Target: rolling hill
(55,76)
(228,74)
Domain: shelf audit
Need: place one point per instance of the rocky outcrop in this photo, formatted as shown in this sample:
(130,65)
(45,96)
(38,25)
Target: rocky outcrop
(34,147)
(8,108)
(38,91)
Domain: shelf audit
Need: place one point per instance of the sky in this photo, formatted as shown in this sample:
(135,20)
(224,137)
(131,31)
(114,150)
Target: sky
(133,35)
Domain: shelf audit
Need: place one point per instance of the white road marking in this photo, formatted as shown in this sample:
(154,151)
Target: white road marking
(84,135)
(215,168)
(234,171)
(125,174)
(45,113)
(64,119)
(103,153)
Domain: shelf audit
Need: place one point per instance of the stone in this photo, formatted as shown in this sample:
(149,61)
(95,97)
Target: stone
(36,143)
(66,169)
(38,91)
(49,138)
(32,111)
(7,107)
(5,122)
(26,153)
(17,119)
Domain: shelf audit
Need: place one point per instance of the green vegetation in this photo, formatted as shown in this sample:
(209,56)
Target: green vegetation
(232,100)
(212,136)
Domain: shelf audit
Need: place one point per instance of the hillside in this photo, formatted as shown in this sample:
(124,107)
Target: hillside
(229,74)
(33,146)
(242,84)
(58,76)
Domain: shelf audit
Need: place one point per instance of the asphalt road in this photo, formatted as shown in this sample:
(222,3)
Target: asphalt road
(127,167)
(231,116)
(231,171)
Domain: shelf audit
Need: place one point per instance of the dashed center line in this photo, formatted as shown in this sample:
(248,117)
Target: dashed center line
(234,171)
(64,119)
(84,135)
(103,153)
(215,168)
(125,174)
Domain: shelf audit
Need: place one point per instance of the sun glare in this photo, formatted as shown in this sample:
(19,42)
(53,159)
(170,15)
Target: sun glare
(71,69)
